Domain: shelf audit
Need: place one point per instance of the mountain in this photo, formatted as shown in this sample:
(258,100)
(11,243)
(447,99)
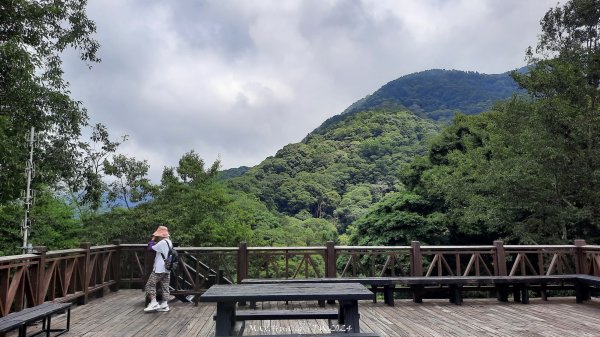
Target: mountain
(437,94)
(349,162)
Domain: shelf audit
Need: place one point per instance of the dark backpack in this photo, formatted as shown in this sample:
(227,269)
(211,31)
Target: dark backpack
(172,259)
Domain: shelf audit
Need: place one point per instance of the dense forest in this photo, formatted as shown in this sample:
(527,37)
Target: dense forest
(440,156)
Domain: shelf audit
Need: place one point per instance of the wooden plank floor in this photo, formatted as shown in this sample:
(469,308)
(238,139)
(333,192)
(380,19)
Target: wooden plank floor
(121,314)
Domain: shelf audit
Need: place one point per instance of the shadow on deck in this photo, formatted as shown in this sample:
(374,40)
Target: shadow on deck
(121,314)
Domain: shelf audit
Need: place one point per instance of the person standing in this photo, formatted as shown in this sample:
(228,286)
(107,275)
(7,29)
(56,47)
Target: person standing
(161,244)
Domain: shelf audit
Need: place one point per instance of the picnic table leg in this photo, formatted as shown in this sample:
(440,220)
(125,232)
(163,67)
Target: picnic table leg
(225,318)
(348,315)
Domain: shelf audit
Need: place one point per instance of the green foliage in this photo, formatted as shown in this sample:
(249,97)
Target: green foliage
(399,218)
(131,184)
(53,223)
(313,178)
(11,217)
(196,206)
(33,92)
(527,172)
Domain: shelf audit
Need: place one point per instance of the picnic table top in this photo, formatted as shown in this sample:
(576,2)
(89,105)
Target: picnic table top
(286,292)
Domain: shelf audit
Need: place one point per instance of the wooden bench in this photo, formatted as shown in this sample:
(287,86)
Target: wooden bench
(455,284)
(21,319)
(583,285)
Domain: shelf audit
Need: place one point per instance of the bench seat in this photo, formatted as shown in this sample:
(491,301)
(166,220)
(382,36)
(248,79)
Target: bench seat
(248,315)
(20,319)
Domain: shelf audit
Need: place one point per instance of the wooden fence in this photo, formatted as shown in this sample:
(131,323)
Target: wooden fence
(77,274)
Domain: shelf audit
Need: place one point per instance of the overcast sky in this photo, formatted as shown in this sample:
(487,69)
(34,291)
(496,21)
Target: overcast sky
(238,80)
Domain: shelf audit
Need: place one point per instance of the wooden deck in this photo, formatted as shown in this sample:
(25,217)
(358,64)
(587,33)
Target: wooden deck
(120,314)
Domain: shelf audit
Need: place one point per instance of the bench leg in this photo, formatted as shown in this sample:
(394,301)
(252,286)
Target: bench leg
(516,293)
(49,326)
(455,294)
(388,295)
(502,292)
(417,293)
(525,292)
(582,292)
(68,319)
(543,292)
(374,289)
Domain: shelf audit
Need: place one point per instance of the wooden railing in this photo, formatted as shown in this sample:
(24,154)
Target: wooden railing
(62,275)
(77,274)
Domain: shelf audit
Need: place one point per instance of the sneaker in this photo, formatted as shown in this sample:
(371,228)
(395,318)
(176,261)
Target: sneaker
(164,306)
(152,306)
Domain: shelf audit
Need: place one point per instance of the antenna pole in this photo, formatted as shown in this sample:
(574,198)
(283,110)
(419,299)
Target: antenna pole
(26,227)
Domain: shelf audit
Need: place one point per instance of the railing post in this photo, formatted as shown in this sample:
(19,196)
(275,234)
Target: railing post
(116,266)
(500,263)
(40,291)
(242,262)
(86,272)
(330,259)
(580,257)
(416,259)
(149,256)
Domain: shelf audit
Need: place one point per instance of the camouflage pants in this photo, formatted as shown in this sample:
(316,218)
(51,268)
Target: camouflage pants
(161,278)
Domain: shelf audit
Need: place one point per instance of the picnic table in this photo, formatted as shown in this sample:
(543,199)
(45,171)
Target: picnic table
(347,296)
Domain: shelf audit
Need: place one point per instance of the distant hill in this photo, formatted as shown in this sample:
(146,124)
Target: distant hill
(232,172)
(436,94)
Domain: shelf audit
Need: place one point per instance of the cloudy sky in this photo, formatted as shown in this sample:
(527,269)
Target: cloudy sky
(238,80)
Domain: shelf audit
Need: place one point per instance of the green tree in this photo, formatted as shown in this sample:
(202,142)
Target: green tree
(33,34)
(559,132)
(527,172)
(398,219)
(131,184)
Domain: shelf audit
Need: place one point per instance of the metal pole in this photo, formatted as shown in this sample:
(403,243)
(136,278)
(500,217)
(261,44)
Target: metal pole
(26,228)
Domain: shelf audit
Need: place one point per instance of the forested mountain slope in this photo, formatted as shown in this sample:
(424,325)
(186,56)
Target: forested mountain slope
(338,173)
(353,159)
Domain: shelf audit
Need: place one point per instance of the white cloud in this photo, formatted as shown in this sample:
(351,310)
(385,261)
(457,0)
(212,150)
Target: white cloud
(241,79)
